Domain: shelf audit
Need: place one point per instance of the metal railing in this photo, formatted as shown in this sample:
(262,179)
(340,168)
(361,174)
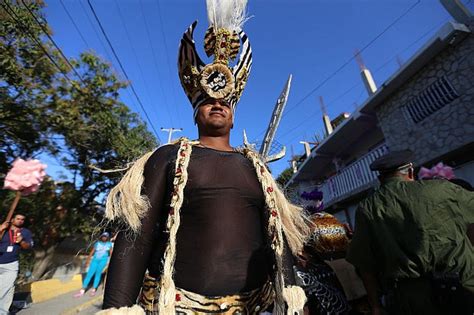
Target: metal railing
(353,178)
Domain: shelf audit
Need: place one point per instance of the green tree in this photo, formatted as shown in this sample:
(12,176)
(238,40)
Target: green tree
(46,108)
(284,176)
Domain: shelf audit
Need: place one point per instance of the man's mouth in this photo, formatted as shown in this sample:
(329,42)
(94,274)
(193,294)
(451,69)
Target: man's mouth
(216,113)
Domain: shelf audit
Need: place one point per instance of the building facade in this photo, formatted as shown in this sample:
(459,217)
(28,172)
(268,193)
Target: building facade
(427,106)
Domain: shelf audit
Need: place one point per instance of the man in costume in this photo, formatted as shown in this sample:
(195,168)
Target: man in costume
(411,242)
(206,221)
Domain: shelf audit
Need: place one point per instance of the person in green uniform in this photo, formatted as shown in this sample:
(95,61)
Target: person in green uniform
(411,245)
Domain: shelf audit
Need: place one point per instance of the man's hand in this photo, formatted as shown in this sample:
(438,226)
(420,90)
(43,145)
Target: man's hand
(19,238)
(4,226)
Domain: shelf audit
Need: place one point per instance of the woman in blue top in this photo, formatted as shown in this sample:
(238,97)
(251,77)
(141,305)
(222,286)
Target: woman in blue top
(100,254)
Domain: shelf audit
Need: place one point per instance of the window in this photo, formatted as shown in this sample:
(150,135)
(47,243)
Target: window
(433,98)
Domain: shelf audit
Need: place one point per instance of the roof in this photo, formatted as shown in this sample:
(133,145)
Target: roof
(364,119)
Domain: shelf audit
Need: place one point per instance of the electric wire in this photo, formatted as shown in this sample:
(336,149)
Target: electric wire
(142,75)
(360,83)
(45,31)
(15,18)
(74,23)
(123,69)
(155,63)
(132,100)
(352,58)
(163,36)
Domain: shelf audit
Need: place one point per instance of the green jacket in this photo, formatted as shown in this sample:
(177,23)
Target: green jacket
(408,229)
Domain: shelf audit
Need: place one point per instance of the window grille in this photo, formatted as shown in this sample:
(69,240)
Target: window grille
(433,98)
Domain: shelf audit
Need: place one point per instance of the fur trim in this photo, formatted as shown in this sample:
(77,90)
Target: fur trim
(295,299)
(134,310)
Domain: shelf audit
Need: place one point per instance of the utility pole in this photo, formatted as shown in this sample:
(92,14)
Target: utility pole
(170,132)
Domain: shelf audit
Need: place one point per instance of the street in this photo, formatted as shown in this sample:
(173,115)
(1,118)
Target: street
(66,304)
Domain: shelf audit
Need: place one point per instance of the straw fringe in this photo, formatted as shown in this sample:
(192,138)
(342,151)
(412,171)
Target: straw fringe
(295,299)
(134,310)
(125,201)
(283,218)
(167,298)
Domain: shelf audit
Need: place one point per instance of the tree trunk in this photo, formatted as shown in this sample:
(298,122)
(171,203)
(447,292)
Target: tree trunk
(43,260)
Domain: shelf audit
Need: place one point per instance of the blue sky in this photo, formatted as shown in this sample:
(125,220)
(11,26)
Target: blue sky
(307,38)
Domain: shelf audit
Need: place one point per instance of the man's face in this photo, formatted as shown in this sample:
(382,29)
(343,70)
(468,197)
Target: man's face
(215,115)
(18,220)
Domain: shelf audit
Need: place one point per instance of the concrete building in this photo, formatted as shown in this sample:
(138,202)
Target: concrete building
(427,106)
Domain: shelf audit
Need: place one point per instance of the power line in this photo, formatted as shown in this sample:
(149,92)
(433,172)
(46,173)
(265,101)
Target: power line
(352,58)
(342,67)
(74,23)
(123,69)
(142,75)
(375,71)
(155,62)
(45,31)
(163,36)
(107,53)
(33,37)
(95,31)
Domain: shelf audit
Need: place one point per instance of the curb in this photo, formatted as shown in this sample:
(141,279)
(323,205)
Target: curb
(83,306)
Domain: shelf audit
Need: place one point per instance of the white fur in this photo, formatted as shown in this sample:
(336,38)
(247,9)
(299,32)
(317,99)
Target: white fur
(228,14)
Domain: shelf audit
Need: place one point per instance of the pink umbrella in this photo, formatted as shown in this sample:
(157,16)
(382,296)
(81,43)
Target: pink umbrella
(25,177)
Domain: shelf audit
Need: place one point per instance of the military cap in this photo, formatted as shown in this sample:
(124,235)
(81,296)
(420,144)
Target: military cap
(392,161)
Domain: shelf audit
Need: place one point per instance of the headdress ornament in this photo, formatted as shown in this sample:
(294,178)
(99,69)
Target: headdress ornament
(223,39)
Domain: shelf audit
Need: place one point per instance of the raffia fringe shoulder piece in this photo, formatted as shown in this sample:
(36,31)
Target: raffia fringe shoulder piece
(125,201)
(285,220)
(134,310)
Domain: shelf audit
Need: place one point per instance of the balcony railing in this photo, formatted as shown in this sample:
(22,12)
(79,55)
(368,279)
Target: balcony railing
(353,178)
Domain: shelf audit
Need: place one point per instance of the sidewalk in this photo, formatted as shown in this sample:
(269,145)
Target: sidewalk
(66,304)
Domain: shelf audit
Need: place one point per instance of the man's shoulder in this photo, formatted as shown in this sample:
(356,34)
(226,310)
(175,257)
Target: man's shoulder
(26,231)
(162,155)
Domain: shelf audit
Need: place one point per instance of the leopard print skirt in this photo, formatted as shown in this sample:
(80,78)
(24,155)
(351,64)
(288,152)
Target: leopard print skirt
(189,303)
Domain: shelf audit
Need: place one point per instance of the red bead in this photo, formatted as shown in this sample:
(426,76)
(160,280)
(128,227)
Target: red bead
(178,297)
(274,213)
(223,45)
(178,170)
(269,189)
(182,153)
(262,170)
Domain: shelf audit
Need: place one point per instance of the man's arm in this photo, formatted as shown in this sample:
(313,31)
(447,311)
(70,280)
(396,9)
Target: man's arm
(131,253)
(360,254)
(371,285)
(24,239)
(4,226)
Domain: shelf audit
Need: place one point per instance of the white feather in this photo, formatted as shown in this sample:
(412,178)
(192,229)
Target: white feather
(228,14)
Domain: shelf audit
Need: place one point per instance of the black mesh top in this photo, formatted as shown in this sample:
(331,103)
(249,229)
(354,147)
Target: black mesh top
(222,240)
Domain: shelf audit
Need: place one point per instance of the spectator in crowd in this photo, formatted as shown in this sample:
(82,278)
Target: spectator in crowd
(14,238)
(411,242)
(96,261)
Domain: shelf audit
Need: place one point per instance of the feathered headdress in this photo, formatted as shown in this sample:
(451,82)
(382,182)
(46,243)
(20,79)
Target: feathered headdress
(223,40)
